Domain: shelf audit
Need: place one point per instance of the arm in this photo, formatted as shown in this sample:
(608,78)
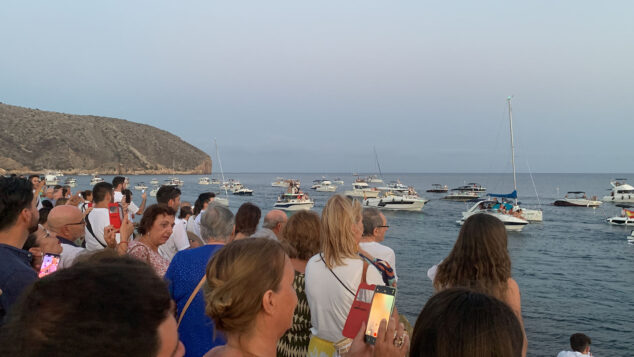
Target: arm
(143,202)
(513,299)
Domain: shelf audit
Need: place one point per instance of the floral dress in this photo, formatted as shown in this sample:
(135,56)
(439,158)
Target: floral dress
(144,253)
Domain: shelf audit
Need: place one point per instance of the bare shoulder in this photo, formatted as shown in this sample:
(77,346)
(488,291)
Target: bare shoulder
(512,285)
(513,296)
(223,351)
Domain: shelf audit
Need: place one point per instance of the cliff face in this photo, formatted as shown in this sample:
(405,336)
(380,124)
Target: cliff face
(33,140)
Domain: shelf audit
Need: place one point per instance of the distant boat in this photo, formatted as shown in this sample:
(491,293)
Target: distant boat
(337,181)
(362,189)
(472,186)
(621,192)
(494,208)
(204,181)
(140,186)
(154,191)
(154,181)
(438,188)
(51,179)
(396,201)
(625,219)
(95,180)
(577,199)
(70,182)
(294,202)
(462,196)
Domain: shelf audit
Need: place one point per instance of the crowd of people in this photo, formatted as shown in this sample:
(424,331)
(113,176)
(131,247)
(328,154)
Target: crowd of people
(201,281)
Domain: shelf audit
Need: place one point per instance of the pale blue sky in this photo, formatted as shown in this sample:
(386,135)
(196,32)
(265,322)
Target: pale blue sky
(312,86)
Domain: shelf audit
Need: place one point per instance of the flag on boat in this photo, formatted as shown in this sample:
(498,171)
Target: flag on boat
(629,213)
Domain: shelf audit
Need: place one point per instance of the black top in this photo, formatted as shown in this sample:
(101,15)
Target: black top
(16,274)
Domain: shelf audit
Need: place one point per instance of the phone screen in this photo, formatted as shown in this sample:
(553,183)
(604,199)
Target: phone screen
(381,308)
(50,262)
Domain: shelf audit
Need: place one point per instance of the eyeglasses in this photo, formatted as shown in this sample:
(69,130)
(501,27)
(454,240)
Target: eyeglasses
(383,226)
(83,221)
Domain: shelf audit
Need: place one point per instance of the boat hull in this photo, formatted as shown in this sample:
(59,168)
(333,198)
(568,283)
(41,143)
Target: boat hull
(627,198)
(326,188)
(577,203)
(621,221)
(395,203)
(361,193)
(511,223)
(294,206)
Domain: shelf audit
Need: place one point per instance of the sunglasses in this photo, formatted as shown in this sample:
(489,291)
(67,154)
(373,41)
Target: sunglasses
(383,226)
(83,221)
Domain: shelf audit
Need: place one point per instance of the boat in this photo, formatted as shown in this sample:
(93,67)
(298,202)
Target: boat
(95,180)
(621,192)
(337,181)
(362,189)
(625,219)
(461,196)
(438,188)
(223,201)
(175,181)
(82,174)
(70,182)
(215,181)
(396,201)
(577,199)
(326,186)
(154,181)
(394,186)
(374,179)
(170,182)
(140,186)
(630,238)
(242,191)
(512,219)
(154,191)
(295,201)
(204,181)
(472,186)
(51,179)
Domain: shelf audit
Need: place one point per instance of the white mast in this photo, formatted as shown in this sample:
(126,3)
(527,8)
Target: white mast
(221,172)
(376,157)
(508,100)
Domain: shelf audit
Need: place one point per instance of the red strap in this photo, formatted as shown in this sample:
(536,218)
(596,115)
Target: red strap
(365,272)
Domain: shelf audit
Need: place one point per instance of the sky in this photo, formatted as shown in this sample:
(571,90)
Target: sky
(297,86)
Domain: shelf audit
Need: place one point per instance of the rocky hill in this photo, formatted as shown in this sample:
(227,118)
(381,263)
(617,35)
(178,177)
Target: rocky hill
(33,140)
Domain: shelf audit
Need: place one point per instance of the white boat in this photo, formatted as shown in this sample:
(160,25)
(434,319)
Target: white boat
(154,191)
(326,186)
(395,201)
(176,181)
(154,181)
(512,220)
(621,192)
(625,219)
(337,181)
(461,196)
(630,238)
(51,179)
(374,179)
(438,188)
(204,181)
(362,189)
(294,202)
(394,186)
(472,186)
(215,181)
(70,182)
(95,180)
(58,173)
(577,199)
(224,201)
(170,182)
(281,182)
(242,191)
(140,186)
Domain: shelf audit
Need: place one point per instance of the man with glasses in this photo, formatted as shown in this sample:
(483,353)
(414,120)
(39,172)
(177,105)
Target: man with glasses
(67,223)
(374,228)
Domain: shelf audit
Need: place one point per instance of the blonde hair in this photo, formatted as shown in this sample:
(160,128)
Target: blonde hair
(337,220)
(238,276)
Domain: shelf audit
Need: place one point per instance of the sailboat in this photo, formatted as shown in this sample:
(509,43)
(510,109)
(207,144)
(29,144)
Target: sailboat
(375,178)
(224,201)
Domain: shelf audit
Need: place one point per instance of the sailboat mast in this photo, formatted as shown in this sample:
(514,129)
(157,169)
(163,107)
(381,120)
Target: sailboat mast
(508,100)
(376,157)
(221,171)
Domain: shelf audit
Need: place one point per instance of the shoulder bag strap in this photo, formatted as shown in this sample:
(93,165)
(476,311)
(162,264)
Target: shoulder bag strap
(89,226)
(333,273)
(191,298)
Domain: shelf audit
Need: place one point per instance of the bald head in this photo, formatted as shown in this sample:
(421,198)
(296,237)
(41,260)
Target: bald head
(275,221)
(66,221)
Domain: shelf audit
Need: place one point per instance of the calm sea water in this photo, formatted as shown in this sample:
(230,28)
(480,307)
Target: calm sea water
(575,272)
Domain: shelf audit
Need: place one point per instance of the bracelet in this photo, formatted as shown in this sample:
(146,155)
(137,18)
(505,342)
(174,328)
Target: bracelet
(126,242)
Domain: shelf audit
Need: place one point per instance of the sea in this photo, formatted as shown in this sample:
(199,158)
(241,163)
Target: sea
(574,270)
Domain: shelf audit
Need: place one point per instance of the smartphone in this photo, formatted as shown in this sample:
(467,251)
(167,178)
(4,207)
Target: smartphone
(50,262)
(381,309)
(116,215)
(143,191)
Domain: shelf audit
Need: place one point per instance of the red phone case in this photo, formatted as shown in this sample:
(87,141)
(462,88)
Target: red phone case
(114,210)
(359,311)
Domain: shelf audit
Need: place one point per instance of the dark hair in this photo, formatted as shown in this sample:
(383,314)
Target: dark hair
(459,322)
(33,176)
(100,190)
(371,220)
(31,241)
(57,187)
(166,193)
(61,201)
(579,342)
(150,214)
(479,259)
(15,195)
(302,233)
(118,180)
(44,211)
(85,194)
(128,195)
(185,210)
(247,218)
(46,204)
(65,190)
(201,200)
(120,297)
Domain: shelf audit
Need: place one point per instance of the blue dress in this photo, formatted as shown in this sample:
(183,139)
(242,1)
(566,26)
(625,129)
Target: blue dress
(187,268)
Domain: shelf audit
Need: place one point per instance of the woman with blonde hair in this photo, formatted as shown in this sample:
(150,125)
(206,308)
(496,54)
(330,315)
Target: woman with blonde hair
(480,260)
(250,297)
(334,275)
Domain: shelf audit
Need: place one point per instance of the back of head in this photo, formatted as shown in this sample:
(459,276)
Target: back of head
(371,220)
(100,191)
(86,194)
(216,223)
(580,342)
(479,258)
(15,195)
(184,212)
(104,306)
(337,220)
(247,218)
(201,200)
(167,193)
(302,233)
(118,180)
(463,323)
(238,276)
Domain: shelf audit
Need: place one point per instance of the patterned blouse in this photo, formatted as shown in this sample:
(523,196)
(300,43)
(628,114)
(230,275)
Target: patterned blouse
(144,253)
(295,341)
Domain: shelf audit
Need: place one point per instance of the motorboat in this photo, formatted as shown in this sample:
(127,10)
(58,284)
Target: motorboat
(70,182)
(223,201)
(461,196)
(337,181)
(396,201)
(154,191)
(374,179)
(323,186)
(621,192)
(472,186)
(242,191)
(95,180)
(281,182)
(140,186)
(630,238)
(170,182)
(504,211)
(438,188)
(176,181)
(394,186)
(577,199)
(154,181)
(51,179)
(294,202)
(362,189)
(215,181)
(58,173)
(204,181)
(625,219)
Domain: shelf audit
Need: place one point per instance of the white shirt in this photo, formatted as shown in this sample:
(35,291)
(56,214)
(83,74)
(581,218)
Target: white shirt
(571,354)
(190,223)
(176,242)
(264,233)
(329,301)
(196,225)
(118,196)
(378,250)
(69,253)
(99,218)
